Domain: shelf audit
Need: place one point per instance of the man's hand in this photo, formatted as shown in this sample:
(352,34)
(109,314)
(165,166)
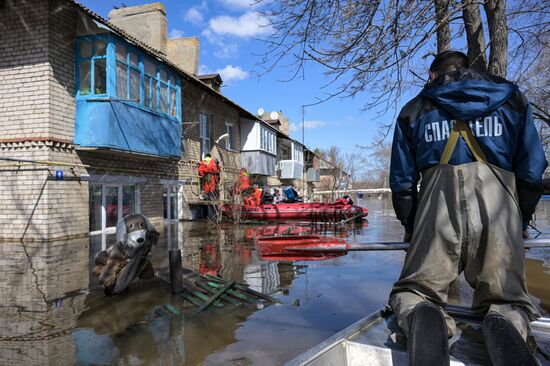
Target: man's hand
(525,234)
(407,238)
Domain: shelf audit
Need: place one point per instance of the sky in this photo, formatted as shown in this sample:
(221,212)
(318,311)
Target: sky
(229,33)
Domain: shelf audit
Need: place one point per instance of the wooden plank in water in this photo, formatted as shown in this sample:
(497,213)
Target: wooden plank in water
(213,299)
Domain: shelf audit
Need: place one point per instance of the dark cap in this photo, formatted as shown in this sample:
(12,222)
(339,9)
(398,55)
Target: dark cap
(449,61)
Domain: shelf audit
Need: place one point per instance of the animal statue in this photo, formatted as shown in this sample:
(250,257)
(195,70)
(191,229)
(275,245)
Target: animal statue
(118,265)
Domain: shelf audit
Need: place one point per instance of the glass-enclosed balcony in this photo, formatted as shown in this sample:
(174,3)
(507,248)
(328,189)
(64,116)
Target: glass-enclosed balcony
(126,100)
(291,160)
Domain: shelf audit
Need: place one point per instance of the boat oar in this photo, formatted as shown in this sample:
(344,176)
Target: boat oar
(377,246)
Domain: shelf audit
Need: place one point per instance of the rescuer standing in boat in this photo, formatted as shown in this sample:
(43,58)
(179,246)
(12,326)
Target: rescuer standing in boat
(209,171)
(471,138)
(244,180)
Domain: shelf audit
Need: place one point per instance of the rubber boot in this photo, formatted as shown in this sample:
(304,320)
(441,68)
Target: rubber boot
(427,343)
(504,343)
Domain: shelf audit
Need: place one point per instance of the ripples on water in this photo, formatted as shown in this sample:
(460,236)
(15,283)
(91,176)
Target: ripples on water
(54,312)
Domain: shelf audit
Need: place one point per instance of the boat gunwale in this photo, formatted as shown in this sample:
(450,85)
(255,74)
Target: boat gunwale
(336,339)
(541,325)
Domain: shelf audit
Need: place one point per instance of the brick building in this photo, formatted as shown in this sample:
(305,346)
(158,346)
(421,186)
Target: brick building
(103,118)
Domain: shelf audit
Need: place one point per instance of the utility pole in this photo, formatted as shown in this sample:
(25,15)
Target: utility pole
(303,154)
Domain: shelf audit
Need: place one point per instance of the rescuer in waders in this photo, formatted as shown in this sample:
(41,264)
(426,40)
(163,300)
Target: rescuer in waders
(209,171)
(470,137)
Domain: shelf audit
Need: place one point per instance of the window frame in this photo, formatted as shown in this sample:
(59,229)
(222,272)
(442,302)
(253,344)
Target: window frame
(172,197)
(231,141)
(173,82)
(92,59)
(267,140)
(297,153)
(209,119)
(120,207)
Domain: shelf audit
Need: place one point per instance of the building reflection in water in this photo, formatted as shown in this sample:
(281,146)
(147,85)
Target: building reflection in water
(41,289)
(53,310)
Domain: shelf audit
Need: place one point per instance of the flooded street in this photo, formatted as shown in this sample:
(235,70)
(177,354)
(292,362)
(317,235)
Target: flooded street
(318,298)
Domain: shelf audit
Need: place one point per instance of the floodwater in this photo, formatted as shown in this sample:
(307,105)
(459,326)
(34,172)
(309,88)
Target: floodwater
(83,327)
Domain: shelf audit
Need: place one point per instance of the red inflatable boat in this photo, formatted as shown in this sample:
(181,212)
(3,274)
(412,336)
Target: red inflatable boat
(315,211)
(275,247)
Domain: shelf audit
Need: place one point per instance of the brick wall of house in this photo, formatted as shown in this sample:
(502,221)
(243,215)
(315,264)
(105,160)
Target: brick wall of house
(194,101)
(24,70)
(24,75)
(37,121)
(37,117)
(61,52)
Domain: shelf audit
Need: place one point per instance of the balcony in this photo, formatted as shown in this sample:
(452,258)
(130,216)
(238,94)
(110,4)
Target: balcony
(126,100)
(291,169)
(115,125)
(258,162)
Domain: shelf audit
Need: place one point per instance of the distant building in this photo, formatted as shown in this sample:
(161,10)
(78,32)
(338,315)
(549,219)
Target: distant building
(312,163)
(332,179)
(289,154)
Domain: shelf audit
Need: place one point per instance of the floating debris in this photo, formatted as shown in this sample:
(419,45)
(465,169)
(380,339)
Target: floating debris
(204,291)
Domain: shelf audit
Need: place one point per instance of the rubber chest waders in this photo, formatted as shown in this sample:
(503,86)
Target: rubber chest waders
(468,220)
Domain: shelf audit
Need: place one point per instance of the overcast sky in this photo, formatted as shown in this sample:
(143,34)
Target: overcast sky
(228,31)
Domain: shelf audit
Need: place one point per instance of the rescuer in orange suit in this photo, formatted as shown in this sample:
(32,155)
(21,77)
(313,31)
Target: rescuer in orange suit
(255,198)
(243,185)
(209,171)
(244,180)
(257,195)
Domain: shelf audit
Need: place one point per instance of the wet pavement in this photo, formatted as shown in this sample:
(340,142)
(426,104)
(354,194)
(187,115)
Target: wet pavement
(319,297)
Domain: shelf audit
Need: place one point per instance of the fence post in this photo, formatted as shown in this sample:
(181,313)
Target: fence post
(176,270)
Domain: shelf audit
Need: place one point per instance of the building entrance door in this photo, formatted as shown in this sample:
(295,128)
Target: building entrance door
(172,204)
(109,203)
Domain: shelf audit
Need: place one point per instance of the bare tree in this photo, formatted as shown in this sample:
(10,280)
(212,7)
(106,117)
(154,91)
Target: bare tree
(374,46)
(498,33)
(377,168)
(475,36)
(444,29)
(335,163)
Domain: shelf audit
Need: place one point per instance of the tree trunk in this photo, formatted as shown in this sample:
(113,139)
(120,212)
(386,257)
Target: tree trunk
(443,29)
(498,34)
(474,35)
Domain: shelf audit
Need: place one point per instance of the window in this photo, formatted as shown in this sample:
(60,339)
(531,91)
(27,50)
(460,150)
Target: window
(285,153)
(107,62)
(267,140)
(150,82)
(92,67)
(297,154)
(230,141)
(205,122)
(128,72)
(141,80)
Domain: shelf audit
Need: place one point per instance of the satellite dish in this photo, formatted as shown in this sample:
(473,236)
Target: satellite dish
(261,112)
(274,115)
